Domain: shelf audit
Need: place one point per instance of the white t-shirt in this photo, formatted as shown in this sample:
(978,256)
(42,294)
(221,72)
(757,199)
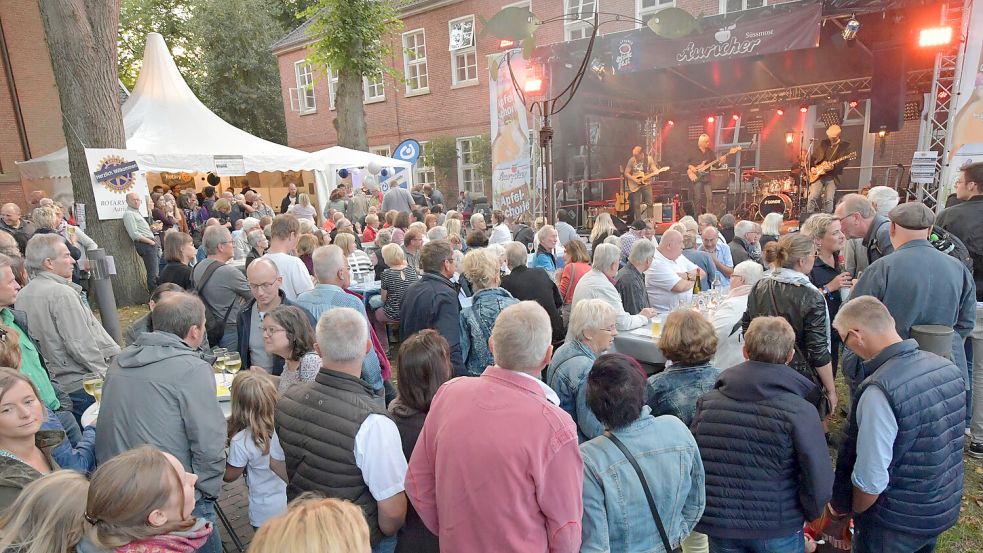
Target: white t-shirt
(296,279)
(500,234)
(267,492)
(662,276)
(379,455)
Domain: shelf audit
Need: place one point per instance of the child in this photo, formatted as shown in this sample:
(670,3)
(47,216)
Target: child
(141,500)
(48,516)
(253,445)
(334,525)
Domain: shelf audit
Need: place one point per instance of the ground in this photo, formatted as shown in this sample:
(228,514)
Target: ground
(967,535)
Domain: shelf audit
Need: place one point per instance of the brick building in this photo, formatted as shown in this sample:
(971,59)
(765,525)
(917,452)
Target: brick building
(30,112)
(446,95)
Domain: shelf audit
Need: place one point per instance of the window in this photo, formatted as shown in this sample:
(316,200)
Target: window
(464,58)
(583,11)
(646,8)
(305,88)
(375,88)
(730,6)
(425,174)
(332,87)
(467,168)
(383,151)
(415,62)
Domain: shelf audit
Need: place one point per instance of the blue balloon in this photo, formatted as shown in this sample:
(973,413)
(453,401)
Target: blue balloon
(343,173)
(385,173)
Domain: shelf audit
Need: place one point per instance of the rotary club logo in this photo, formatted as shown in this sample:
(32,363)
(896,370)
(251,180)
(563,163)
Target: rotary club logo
(116,173)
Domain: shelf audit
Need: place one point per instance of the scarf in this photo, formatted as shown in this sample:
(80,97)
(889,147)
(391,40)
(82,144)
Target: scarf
(795,278)
(176,542)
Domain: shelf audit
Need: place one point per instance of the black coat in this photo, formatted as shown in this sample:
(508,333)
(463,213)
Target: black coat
(533,284)
(431,302)
(965,220)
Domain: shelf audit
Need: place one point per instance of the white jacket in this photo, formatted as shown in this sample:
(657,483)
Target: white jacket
(596,285)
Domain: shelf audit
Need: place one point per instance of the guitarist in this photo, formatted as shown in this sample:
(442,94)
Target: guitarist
(822,191)
(638,165)
(702,154)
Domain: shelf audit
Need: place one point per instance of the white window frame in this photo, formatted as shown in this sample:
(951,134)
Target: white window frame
(425,174)
(306,103)
(370,98)
(332,79)
(477,186)
(384,150)
(723,5)
(580,27)
(417,62)
(642,12)
(471,51)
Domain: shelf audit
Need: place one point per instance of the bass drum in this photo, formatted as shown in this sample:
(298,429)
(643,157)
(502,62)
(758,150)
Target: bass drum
(775,203)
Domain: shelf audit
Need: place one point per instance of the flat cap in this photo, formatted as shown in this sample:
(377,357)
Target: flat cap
(912,216)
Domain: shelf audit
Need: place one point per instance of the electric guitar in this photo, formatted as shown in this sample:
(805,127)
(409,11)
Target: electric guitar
(637,180)
(702,169)
(825,167)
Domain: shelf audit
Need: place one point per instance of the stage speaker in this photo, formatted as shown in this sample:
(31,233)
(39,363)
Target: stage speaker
(887,89)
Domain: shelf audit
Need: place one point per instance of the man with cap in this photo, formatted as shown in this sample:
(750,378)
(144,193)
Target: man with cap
(822,191)
(919,285)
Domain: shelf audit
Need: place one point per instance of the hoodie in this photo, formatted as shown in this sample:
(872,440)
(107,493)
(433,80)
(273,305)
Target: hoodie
(160,391)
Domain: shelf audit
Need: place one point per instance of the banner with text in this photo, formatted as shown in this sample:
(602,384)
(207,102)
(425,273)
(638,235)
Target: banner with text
(115,173)
(511,165)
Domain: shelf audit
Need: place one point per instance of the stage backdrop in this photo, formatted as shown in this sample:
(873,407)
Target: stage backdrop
(511,163)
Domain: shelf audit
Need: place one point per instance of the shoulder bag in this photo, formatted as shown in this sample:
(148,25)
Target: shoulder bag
(645,487)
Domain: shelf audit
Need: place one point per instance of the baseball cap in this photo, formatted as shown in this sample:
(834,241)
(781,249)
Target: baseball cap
(912,216)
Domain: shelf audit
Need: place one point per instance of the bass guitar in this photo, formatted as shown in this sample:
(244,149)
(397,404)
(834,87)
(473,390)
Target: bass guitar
(702,169)
(825,167)
(637,181)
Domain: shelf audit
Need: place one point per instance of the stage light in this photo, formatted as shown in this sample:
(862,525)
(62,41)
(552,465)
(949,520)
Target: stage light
(882,133)
(804,109)
(934,36)
(711,119)
(533,85)
(851,29)
(671,123)
(853,104)
(780,111)
(735,117)
(789,137)
(943,95)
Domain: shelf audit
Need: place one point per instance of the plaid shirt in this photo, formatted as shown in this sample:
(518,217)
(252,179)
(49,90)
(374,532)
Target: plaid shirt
(627,241)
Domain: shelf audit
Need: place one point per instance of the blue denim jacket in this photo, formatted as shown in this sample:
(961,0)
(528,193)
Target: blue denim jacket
(675,390)
(567,375)
(82,457)
(616,514)
(477,322)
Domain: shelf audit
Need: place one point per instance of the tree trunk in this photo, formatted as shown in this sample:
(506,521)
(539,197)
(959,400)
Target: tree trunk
(81,37)
(351,111)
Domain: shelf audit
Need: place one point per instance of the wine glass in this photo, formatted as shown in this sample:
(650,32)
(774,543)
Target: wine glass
(232,362)
(92,384)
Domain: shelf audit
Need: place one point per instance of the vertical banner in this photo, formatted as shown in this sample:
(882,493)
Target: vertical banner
(511,163)
(114,175)
(967,131)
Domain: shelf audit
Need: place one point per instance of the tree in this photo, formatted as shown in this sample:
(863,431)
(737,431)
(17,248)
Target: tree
(352,38)
(81,37)
(241,80)
(170,18)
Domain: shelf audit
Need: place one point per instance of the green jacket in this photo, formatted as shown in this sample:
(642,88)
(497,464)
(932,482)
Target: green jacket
(15,474)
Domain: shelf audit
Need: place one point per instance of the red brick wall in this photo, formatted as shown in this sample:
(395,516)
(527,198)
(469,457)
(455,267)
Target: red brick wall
(35,82)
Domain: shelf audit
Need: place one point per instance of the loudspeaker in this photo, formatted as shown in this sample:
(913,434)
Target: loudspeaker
(887,89)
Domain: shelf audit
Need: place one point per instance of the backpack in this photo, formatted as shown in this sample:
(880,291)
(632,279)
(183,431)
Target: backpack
(951,245)
(214,321)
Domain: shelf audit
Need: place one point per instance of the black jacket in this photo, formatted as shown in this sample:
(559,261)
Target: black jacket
(431,302)
(535,285)
(827,152)
(244,329)
(805,309)
(767,466)
(525,236)
(965,220)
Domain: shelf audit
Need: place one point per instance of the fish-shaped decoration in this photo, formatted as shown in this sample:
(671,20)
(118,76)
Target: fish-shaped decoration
(515,24)
(675,23)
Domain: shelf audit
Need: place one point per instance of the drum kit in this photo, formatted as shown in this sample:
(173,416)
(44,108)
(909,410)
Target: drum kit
(772,195)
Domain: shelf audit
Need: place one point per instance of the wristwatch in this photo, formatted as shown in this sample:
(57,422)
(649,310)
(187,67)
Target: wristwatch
(826,291)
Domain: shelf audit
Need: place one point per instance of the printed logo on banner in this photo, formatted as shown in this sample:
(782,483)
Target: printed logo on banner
(623,61)
(116,173)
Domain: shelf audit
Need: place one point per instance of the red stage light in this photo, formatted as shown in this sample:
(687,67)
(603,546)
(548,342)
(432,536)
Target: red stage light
(804,109)
(942,95)
(780,111)
(934,36)
(671,123)
(853,104)
(533,85)
(735,117)
(711,119)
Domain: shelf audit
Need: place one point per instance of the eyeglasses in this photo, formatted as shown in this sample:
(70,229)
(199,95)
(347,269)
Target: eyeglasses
(3,335)
(271,330)
(266,286)
(610,329)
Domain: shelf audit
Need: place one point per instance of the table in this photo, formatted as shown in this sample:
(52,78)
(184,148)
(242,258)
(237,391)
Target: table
(640,344)
(367,290)
(91,415)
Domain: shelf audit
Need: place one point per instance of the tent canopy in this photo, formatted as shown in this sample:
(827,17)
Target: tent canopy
(171,130)
(336,157)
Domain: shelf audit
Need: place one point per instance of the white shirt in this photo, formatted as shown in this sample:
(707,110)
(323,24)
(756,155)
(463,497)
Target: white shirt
(596,285)
(662,276)
(379,455)
(500,234)
(550,394)
(296,279)
(267,492)
(730,346)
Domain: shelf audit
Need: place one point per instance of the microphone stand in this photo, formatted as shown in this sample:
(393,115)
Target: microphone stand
(806,174)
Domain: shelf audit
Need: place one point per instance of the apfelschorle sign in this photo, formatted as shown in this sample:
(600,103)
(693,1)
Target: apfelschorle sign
(740,35)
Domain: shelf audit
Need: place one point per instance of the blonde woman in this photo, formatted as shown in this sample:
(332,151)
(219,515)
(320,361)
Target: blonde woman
(315,524)
(453,227)
(603,227)
(482,269)
(48,516)
(305,249)
(303,209)
(359,262)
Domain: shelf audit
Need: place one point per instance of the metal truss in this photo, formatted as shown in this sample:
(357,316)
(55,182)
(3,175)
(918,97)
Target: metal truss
(936,132)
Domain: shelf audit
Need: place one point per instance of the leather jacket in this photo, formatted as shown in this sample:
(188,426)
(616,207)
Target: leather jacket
(805,309)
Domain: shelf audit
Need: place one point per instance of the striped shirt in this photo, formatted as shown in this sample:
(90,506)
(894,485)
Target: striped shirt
(395,282)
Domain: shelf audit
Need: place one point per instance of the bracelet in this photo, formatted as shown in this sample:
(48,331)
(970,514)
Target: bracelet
(826,290)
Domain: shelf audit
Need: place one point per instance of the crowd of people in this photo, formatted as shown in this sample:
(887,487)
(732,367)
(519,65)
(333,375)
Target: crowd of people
(469,395)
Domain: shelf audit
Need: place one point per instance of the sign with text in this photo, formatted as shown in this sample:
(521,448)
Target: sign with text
(229,166)
(923,165)
(511,163)
(114,175)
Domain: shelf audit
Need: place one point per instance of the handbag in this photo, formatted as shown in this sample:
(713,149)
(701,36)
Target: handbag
(645,487)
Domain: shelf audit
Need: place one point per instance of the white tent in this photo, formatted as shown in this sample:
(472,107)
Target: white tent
(336,157)
(173,131)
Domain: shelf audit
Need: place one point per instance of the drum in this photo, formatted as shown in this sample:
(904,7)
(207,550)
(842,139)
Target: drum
(773,186)
(775,203)
(788,186)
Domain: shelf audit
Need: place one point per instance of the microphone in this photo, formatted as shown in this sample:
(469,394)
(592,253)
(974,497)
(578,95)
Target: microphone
(812,139)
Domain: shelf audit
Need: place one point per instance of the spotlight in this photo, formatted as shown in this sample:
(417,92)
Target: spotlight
(789,137)
(671,123)
(711,119)
(780,111)
(533,85)
(851,29)
(735,117)
(943,95)
(882,133)
(935,36)
(804,109)
(853,104)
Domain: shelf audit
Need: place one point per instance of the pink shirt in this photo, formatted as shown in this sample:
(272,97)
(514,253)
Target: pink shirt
(497,468)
